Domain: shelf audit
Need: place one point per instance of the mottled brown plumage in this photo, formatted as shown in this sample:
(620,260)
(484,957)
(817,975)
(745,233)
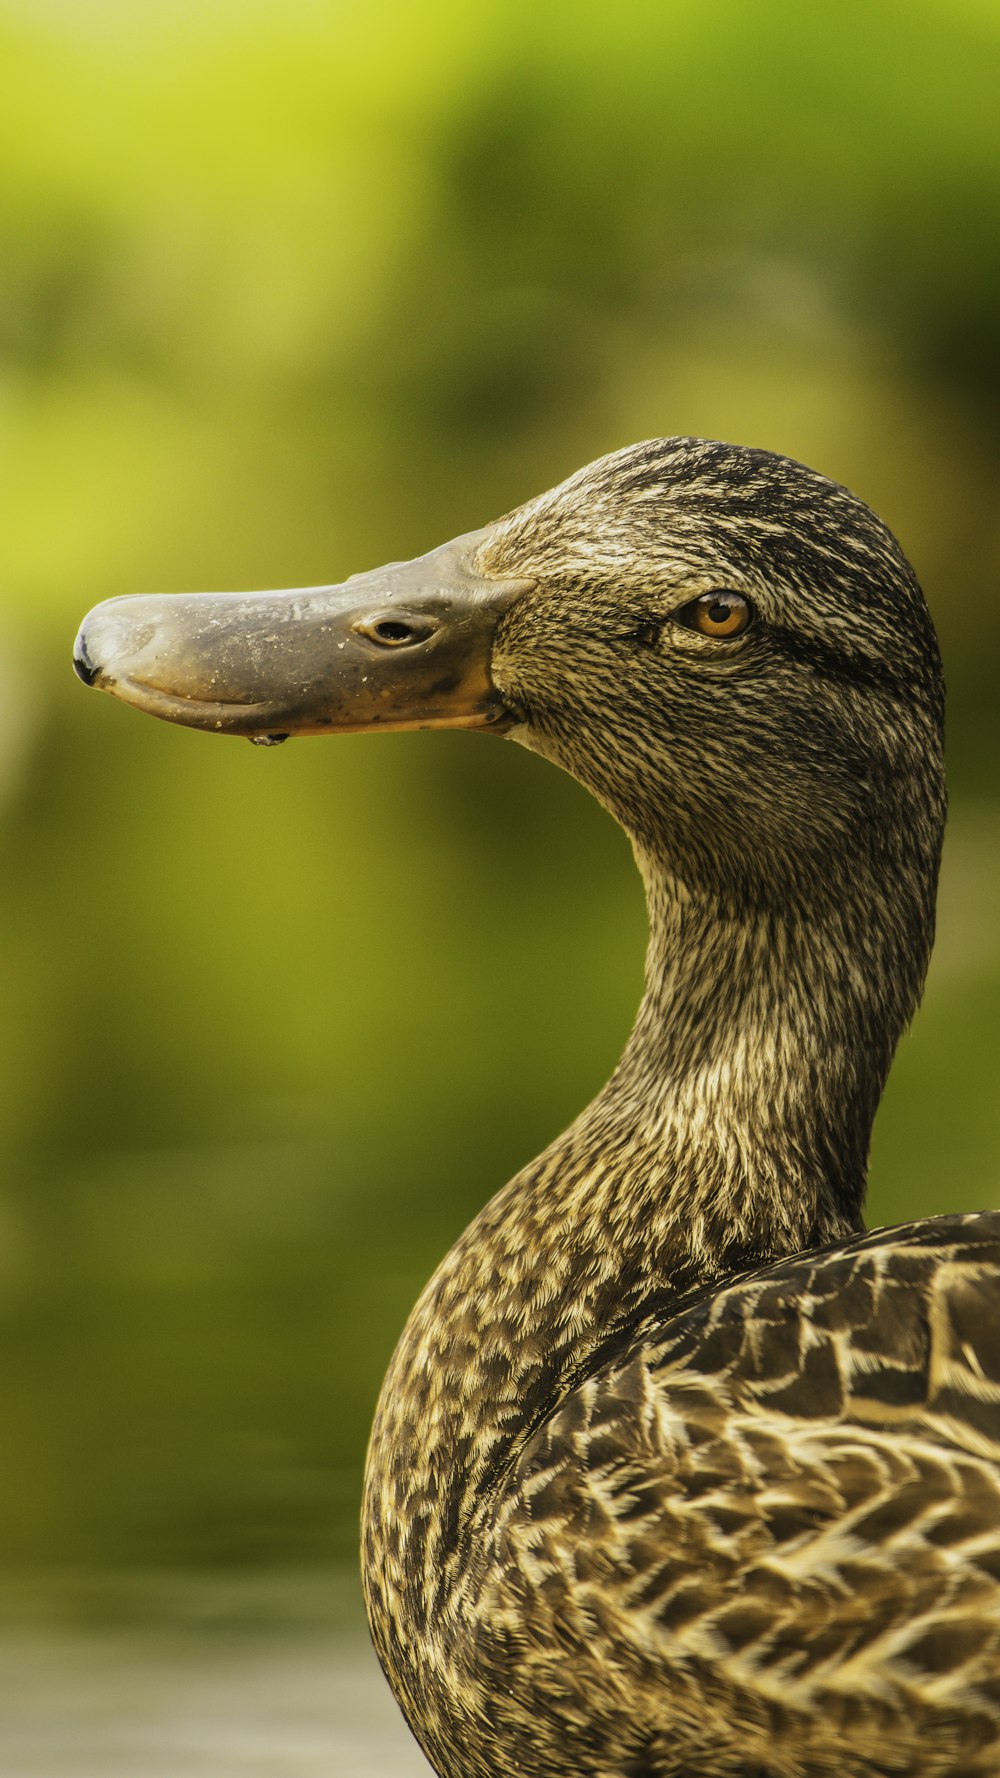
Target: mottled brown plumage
(634,1508)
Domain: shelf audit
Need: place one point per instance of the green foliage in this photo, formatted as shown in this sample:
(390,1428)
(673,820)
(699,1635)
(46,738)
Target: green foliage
(285,292)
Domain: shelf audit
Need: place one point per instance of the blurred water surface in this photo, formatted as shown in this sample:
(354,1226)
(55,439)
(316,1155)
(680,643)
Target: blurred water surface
(204,1695)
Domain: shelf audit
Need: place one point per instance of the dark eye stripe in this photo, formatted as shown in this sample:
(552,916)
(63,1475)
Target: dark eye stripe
(836,663)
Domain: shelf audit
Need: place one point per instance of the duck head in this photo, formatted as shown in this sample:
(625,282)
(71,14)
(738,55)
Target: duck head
(727,649)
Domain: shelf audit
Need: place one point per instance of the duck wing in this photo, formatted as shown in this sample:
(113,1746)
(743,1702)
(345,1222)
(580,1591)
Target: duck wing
(765,1537)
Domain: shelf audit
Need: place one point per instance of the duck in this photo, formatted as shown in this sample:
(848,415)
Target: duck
(677,1471)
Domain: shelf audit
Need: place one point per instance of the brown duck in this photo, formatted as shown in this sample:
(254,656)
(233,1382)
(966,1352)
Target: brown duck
(676,1472)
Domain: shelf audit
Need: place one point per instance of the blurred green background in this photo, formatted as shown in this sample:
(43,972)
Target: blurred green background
(288,290)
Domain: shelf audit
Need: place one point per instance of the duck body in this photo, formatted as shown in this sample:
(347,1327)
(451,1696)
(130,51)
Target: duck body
(677,1472)
(753,1531)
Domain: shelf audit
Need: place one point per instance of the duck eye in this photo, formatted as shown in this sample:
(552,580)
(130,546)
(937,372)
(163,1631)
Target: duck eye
(719,613)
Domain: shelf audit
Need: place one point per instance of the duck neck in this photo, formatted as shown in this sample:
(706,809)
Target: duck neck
(749,1083)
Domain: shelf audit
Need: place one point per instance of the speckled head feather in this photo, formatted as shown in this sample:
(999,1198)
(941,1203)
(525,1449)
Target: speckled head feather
(713,750)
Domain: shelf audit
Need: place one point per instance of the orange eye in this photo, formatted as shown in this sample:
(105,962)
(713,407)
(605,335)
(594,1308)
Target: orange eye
(720,613)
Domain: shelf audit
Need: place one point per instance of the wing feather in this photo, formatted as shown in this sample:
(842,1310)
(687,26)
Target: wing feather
(777,1519)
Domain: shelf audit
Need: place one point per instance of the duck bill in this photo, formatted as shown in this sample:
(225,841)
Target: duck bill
(406,646)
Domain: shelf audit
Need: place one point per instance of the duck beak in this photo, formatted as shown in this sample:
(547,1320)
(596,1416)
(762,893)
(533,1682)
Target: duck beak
(406,646)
